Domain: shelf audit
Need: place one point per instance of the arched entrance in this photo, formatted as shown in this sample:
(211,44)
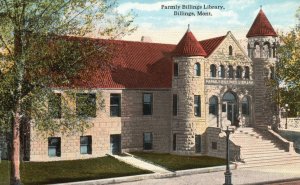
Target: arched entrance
(230,108)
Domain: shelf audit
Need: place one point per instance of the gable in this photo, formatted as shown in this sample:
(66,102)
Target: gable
(222,50)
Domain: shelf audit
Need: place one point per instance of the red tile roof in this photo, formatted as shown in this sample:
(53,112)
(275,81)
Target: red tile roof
(189,46)
(137,64)
(261,27)
(133,65)
(209,45)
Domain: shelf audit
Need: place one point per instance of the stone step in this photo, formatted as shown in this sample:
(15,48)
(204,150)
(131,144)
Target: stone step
(260,149)
(255,152)
(270,158)
(267,164)
(271,162)
(266,155)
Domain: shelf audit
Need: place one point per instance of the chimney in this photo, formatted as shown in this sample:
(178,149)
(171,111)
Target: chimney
(146,39)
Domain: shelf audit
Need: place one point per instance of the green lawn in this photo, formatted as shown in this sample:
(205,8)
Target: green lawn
(4,173)
(36,173)
(177,162)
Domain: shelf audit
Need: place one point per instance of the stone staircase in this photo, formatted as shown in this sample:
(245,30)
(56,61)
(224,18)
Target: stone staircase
(258,149)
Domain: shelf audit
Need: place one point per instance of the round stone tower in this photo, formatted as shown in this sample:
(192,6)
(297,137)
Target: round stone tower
(188,121)
(262,45)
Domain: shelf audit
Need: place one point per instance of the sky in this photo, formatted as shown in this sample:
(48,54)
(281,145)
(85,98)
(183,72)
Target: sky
(237,16)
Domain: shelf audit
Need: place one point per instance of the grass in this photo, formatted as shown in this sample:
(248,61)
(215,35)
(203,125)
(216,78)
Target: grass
(36,173)
(177,162)
(4,173)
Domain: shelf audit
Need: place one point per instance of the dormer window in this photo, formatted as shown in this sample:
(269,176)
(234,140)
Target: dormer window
(230,50)
(197,69)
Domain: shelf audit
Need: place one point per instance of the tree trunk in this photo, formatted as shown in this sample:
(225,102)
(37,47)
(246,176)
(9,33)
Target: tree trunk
(15,178)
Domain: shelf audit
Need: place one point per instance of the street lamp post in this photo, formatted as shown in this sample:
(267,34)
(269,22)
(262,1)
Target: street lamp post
(286,114)
(227,172)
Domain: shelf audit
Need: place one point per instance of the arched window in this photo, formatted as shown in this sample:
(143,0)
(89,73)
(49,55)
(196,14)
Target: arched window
(213,70)
(213,105)
(267,50)
(230,71)
(247,72)
(238,72)
(221,71)
(230,50)
(245,106)
(197,69)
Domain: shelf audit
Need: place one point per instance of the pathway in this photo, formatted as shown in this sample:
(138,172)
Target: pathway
(129,159)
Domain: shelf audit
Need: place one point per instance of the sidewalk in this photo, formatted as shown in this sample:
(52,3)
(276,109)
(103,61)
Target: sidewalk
(129,159)
(257,175)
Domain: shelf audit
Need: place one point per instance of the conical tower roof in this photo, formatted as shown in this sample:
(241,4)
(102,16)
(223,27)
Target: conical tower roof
(189,46)
(261,26)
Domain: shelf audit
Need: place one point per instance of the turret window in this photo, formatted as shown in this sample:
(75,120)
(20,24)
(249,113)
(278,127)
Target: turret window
(230,50)
(197,69)
(213,70)
(239,72)
(197,106)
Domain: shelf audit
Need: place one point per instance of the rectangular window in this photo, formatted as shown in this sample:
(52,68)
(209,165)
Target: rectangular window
(223,107)
(245,109)
(175,106)
(54,146)
(147,103)
(176,69)
(198,143)
(214,145)
(197,105)
(148,141)
(86,104)
(174,142)
(115,105)
(85,144)
(54,105)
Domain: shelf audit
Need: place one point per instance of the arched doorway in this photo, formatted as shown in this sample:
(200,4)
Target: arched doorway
(230,108)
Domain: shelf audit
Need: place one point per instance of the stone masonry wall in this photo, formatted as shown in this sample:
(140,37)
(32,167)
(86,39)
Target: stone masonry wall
(186,125)
(134,123)
(218,86)
(104,126)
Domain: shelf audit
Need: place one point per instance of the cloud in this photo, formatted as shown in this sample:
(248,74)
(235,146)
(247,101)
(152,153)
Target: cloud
(125,7)
(240,4)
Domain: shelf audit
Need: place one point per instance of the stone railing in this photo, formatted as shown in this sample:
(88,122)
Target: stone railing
(292,123)
(287,145)
(215,134)
(225,81)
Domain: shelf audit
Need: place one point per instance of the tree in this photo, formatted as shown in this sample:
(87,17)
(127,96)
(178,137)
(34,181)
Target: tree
(39,50)
(288,68)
